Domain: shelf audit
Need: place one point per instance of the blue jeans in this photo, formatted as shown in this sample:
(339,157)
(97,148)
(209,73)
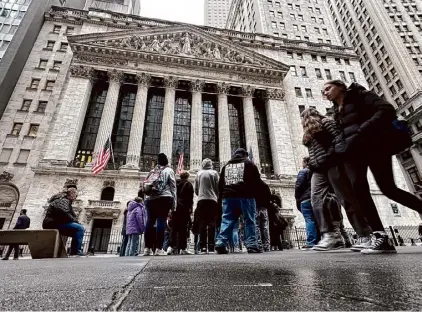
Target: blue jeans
(123,245)
(76,231)
(234,240)
(231,209)
(311,227)
(132,248)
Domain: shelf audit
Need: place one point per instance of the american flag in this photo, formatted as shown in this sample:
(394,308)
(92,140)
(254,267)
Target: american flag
(102,158)
(180,164)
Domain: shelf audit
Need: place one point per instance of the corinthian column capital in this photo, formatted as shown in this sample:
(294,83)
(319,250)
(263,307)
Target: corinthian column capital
(248,91)
(170,82)
(81,71)
(143,79)
(223,88)
(115,75)
(197,85)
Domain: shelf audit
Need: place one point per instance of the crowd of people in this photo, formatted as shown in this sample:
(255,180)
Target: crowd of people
(236,209)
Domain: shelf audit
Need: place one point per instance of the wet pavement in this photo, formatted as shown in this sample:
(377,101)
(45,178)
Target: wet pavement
(289,280)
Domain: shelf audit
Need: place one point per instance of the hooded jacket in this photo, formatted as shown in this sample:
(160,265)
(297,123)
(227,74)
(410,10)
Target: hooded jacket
(184,197)
(240,178)
(263,198)
(206,182)
(59,211)
(362,120)
(303,186)
(136,215)
(169,181)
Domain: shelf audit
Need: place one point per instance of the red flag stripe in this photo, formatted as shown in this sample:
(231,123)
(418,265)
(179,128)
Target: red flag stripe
(102,159)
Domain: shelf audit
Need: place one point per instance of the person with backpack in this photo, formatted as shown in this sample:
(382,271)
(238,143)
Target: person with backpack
(370,134)
(161,197)
(135,225)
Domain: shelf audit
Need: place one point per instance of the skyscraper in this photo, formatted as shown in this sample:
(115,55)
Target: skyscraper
(216,12)
(119,6)
(387,37)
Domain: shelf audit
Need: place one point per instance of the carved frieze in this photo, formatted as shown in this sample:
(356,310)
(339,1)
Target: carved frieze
(106,213)
(81,71)
(275,94)
(100,59)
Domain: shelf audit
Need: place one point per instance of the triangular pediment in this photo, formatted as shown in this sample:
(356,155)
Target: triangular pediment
(184,41)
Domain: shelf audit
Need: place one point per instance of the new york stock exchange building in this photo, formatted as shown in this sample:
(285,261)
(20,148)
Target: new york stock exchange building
(155,86)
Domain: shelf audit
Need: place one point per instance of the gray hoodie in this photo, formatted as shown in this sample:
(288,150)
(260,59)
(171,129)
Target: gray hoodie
(169,185)
(206,182)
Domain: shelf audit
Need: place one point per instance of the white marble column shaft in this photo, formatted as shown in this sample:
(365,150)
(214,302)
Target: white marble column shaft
(138,121)
(166,145)
(223,124)
(109,111)
(196,126)
(250,127)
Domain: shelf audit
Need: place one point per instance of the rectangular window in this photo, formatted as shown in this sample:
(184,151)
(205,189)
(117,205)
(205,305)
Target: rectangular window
(347,61)
(308,93)
(282,26)
(303,28)
(292,16)
(300,17)
(293,70)
(320,40)
(318,10)
(277,3)
(25,105)
(318,73)
(303,71)
(295,28)
(17,127)
(298,38)
(284,36)
(56,29)
(290,6)
(321,21)
(23,156)
(5,155)
(49,85)
(399,85)
(352,77)
(299,56)
(33,130)
(63,46)
(297,7)
(290,55)
(306,38)
(298,92)
(314,57)
(42,105)
(274,24)
(393,90)
(70,30)
(328,74)
(56,65)
(343,76)
(313,19)
(324,59)
(301,108)
(272,13)
(35,83)
(280,14)
(42,64)
(50,44)
(277,34)
(328,41)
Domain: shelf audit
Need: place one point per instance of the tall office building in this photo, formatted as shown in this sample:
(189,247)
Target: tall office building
(387,37)
(216,12)
(119,6)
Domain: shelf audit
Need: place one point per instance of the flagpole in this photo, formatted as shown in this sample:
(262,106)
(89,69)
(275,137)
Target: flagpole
(112,154)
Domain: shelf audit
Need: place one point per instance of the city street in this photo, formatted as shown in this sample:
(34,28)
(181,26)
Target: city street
(289,280)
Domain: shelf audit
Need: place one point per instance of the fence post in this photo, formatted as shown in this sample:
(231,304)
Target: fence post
(297,238)
(394,236)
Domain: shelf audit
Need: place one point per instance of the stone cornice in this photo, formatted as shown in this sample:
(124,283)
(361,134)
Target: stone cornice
(252,40)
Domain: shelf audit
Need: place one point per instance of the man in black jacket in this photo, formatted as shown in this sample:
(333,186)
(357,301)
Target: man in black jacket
(303,201)
(22,224)
(239,181)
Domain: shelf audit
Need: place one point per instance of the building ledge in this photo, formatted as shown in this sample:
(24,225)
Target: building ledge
(18,164)
(47,49)
(31,89)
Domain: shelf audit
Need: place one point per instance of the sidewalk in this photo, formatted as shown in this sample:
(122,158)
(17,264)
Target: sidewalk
(289,280)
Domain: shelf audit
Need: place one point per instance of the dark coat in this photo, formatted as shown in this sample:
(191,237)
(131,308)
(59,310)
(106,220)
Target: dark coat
(185,194)
(363,121)
(59,212)
(321,148)
(263,198)
(22,223)
(303,186)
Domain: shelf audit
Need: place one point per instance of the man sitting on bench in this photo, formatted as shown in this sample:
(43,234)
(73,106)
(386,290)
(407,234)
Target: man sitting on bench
(60,216)
(22,224)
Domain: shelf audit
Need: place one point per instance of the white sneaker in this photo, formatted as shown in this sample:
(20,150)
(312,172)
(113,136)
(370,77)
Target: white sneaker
(362,243)
(381,245)
(186,252)
(148,252)
(237,250)
(160,252)
(329,241)
(169,251)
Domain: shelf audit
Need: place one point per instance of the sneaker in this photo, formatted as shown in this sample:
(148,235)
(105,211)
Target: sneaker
(362,243)
(148,252)
(186,252)
(330,241)
(203,251)
(381,245)
(221,250)
(170,250)
(254,250)
(4,258)
(237,250)
(160,252)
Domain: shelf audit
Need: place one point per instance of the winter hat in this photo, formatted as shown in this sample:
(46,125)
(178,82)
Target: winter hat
(207,163)
(240,152)
(162,159)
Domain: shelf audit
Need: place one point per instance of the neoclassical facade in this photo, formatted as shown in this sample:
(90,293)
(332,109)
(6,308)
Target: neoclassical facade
(154,86)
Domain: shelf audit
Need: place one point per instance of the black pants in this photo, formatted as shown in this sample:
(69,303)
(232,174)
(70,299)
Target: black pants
(9,251)
(382,170)
(207,214)
(157,210)
(180,222)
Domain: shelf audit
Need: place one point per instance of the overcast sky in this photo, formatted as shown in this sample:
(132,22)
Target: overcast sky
(186,11)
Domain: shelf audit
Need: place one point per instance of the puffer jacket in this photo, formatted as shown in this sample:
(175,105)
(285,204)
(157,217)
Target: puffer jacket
(321,147)
(136,216)
(303,186)
(59,212)
(363,120)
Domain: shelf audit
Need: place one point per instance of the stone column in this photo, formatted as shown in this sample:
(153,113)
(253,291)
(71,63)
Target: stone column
(137,128)
(250,127)
(223,123)
(196,125)
(107,118)
(280,136)
(166,145)
(65,135)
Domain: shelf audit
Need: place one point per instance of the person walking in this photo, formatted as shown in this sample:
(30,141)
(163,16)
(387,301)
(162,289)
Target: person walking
(263,203)
(22,223)
(370,135)
(239,181)
(329,178)
(135,225)
(161,197)
(60,216)
(303,201)
(181,216)
(206,188)
(124,236)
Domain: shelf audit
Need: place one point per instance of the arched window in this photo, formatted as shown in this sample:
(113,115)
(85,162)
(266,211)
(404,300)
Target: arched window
(107,193)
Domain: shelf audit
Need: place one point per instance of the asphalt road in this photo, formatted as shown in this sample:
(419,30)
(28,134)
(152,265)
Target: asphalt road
(288,280)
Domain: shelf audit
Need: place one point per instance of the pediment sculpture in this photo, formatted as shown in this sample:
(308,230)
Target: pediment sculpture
(183,44)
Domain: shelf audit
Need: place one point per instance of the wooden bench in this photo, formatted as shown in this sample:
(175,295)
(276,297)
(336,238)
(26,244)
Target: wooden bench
(41,243)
